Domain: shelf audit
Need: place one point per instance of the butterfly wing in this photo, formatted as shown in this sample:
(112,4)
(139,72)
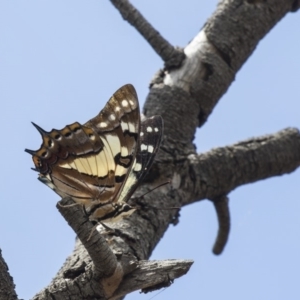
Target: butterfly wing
(148,144)
(149,141)
(90,162)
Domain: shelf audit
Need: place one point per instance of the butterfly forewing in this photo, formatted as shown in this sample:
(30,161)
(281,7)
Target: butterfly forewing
(118,126)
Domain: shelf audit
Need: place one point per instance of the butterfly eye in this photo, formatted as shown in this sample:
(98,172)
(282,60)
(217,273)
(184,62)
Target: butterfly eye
(44,153)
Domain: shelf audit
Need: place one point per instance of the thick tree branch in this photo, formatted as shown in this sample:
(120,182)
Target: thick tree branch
(216,173)
(98,274)
(221,170)
(188,95)
(215,55)
(173,57)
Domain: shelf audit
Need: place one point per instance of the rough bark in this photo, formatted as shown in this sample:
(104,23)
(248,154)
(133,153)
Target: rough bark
(7,286)
(111,265)
(185,97)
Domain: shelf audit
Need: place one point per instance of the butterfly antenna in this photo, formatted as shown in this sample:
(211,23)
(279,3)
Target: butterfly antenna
(162,208)
(157,294)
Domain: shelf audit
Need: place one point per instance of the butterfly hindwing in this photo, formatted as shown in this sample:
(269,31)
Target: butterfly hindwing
(150,138)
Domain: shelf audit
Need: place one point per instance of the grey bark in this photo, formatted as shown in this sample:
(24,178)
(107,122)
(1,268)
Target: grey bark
(184,96)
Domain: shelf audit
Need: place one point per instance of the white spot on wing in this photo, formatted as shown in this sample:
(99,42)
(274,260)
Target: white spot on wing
(112,117)
(120,170)
(124,126)
(137,167)
(149,129)
(124,151)
(143,147)
(131,127)
(117,108)
(103,125)
(156,129)
(124,103)
(150,148)
(142,134)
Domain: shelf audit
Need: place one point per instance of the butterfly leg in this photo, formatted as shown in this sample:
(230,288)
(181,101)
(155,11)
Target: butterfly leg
(68,205)
(111,231)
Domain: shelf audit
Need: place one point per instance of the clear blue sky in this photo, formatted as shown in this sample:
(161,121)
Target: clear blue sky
(60,61)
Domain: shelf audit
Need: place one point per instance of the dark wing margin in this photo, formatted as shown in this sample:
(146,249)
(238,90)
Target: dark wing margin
(150,137)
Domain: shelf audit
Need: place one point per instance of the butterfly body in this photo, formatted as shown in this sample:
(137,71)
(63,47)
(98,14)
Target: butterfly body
(99,164)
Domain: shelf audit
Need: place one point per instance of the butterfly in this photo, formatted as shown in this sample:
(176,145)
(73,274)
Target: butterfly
(100,164)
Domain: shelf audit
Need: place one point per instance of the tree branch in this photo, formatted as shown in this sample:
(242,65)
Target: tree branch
(105,262)
(221,170)
(152,275)
(214,174)
(7,286)
(188,95)
(173,57)
(185,97)
(215,55)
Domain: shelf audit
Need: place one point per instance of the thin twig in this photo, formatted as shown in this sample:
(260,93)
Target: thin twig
(173,57)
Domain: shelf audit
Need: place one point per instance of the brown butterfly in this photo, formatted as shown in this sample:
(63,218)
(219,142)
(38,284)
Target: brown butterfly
(100,164)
